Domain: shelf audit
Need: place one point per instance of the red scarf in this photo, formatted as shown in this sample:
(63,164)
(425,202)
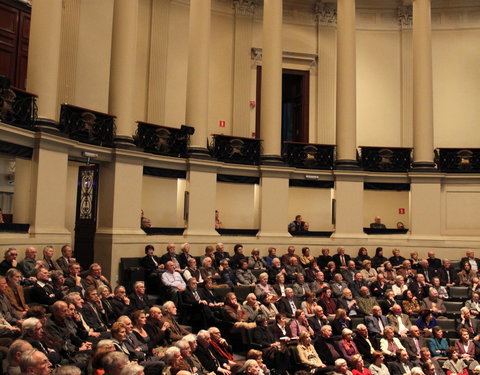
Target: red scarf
(222,352)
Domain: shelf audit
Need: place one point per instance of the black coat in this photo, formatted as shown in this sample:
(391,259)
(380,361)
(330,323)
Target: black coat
(283,306)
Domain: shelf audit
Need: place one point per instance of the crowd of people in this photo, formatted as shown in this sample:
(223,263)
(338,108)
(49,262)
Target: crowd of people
(301,314)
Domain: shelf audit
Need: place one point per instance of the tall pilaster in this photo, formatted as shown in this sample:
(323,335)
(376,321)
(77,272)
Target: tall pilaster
(196,113)
(271,113)
(122,70)
(44,59)
(346,131)
(405,22)
(244,12)
(422,86)
(326,17)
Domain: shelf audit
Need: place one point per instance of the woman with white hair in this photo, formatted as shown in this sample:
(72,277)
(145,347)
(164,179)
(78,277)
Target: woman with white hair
(347,346)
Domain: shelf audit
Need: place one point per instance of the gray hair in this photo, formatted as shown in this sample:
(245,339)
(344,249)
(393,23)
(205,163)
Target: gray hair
(190,338)
(105,343)
(339,362)
(68,370)
(202,334)
(27,360)
(170,354)
(15,347)
(113,361)
(132,369)
(182,344)
(248,363)
(28,326)
(325,327)
(167,305)
(70,297)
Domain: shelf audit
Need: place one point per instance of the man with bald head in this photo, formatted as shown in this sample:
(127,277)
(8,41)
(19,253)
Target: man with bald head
(365,344)
(470,258)
(171,256)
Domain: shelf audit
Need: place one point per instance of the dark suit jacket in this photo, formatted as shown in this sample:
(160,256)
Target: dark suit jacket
(147,263)
(396,368)
(316,325)
(428,273)
(182,259)
(93,318)
(139,304)
(324,352)
(409,345)
(443,275)
(377,290)
(62,263)
(283,306)
(73,287)
(22,306)
(473,323)
(277,332)
(119,308)
(337,327)
(373,326)
(385,305)
(44,296)
(417,291)
(336,259)
(363,347)
(263,336)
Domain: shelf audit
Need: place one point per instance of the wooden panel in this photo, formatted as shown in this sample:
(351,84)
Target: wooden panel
(7,61)
(9,18)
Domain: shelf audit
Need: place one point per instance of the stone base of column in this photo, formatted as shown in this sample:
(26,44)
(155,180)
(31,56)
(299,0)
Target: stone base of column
(46,125)
(125,142)
(347,164)
(424,166)
(199,153)
(271,160)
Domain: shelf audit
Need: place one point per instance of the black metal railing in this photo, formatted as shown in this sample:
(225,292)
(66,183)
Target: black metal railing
(87,126)
(162,140)
(18,107)
(458,160)
(308,155)
(237,150)
(386,159)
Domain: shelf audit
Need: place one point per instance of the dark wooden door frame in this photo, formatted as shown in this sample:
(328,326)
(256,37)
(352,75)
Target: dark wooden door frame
(304,130)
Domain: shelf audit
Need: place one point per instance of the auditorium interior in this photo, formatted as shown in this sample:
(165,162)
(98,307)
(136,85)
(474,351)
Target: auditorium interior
(335,110)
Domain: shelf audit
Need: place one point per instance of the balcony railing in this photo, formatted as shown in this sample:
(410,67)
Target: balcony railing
(87,126)
(236,150)
(458,160)
(18,107)
(386,159)
(162,140)
(308,155)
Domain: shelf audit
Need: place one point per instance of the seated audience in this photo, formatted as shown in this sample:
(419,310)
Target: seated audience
(341,322)
(27,265)
(398,321)
(9,261)
(307,354)
(306,259)
(389,344)
(426,322)
(376,322)
(255,262)
(14,291)
(327,302)
(466,274)
(438,344)
(410,304)
(299,324)
(378,367)
(366,345)
(454,365)
(347,345)
(244,275)
(309,304)
(378,259)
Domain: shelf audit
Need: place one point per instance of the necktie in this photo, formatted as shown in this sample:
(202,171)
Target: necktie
(380,324)
(154,261)
(195,294)
(342,258)
(417,345)
(293,307)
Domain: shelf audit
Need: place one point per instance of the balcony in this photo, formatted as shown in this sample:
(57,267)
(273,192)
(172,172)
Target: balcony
(458,160)
(237,150)
(162,140)
(18,108)
(386,159)
(308,155)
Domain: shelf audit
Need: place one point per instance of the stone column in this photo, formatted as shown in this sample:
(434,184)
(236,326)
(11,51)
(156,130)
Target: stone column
(422,86)
(346,132)
(196,113)
(122,70)
(244,12)
(405,22)
(44,59)
(326,17)
(271,111)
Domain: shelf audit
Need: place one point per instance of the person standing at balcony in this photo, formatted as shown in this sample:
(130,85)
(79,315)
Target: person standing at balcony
(297,225)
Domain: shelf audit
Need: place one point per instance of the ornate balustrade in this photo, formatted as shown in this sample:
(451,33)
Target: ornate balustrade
(18,107)
(237,150)
(163,140)
(308,155)
(386,159)
(458,160)
(87,126)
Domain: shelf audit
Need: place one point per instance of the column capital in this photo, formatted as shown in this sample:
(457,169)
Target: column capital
(325,14)
(244,7)
(405,17)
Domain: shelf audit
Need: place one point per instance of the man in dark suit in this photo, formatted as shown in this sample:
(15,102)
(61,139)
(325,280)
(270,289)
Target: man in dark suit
(191,298)
(427,271)
(66,259)
(379,287)
(288,304)
(470,257)
(43,292)
(325,346)
(433,261)
(317,321)
(419,287)
(376,322)
(448,275)
(341,259)
(414,343)
(466,321)
(74,282)
(364,343)
(206,356)
(349,273)
(138,299)
(184,255)
(120,302)
(402,365)
(220,254)
(150,262)
(92,313)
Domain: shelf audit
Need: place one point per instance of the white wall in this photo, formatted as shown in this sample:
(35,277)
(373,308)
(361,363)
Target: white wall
(386,204)
(313,204)
(236,204)
(162,201)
